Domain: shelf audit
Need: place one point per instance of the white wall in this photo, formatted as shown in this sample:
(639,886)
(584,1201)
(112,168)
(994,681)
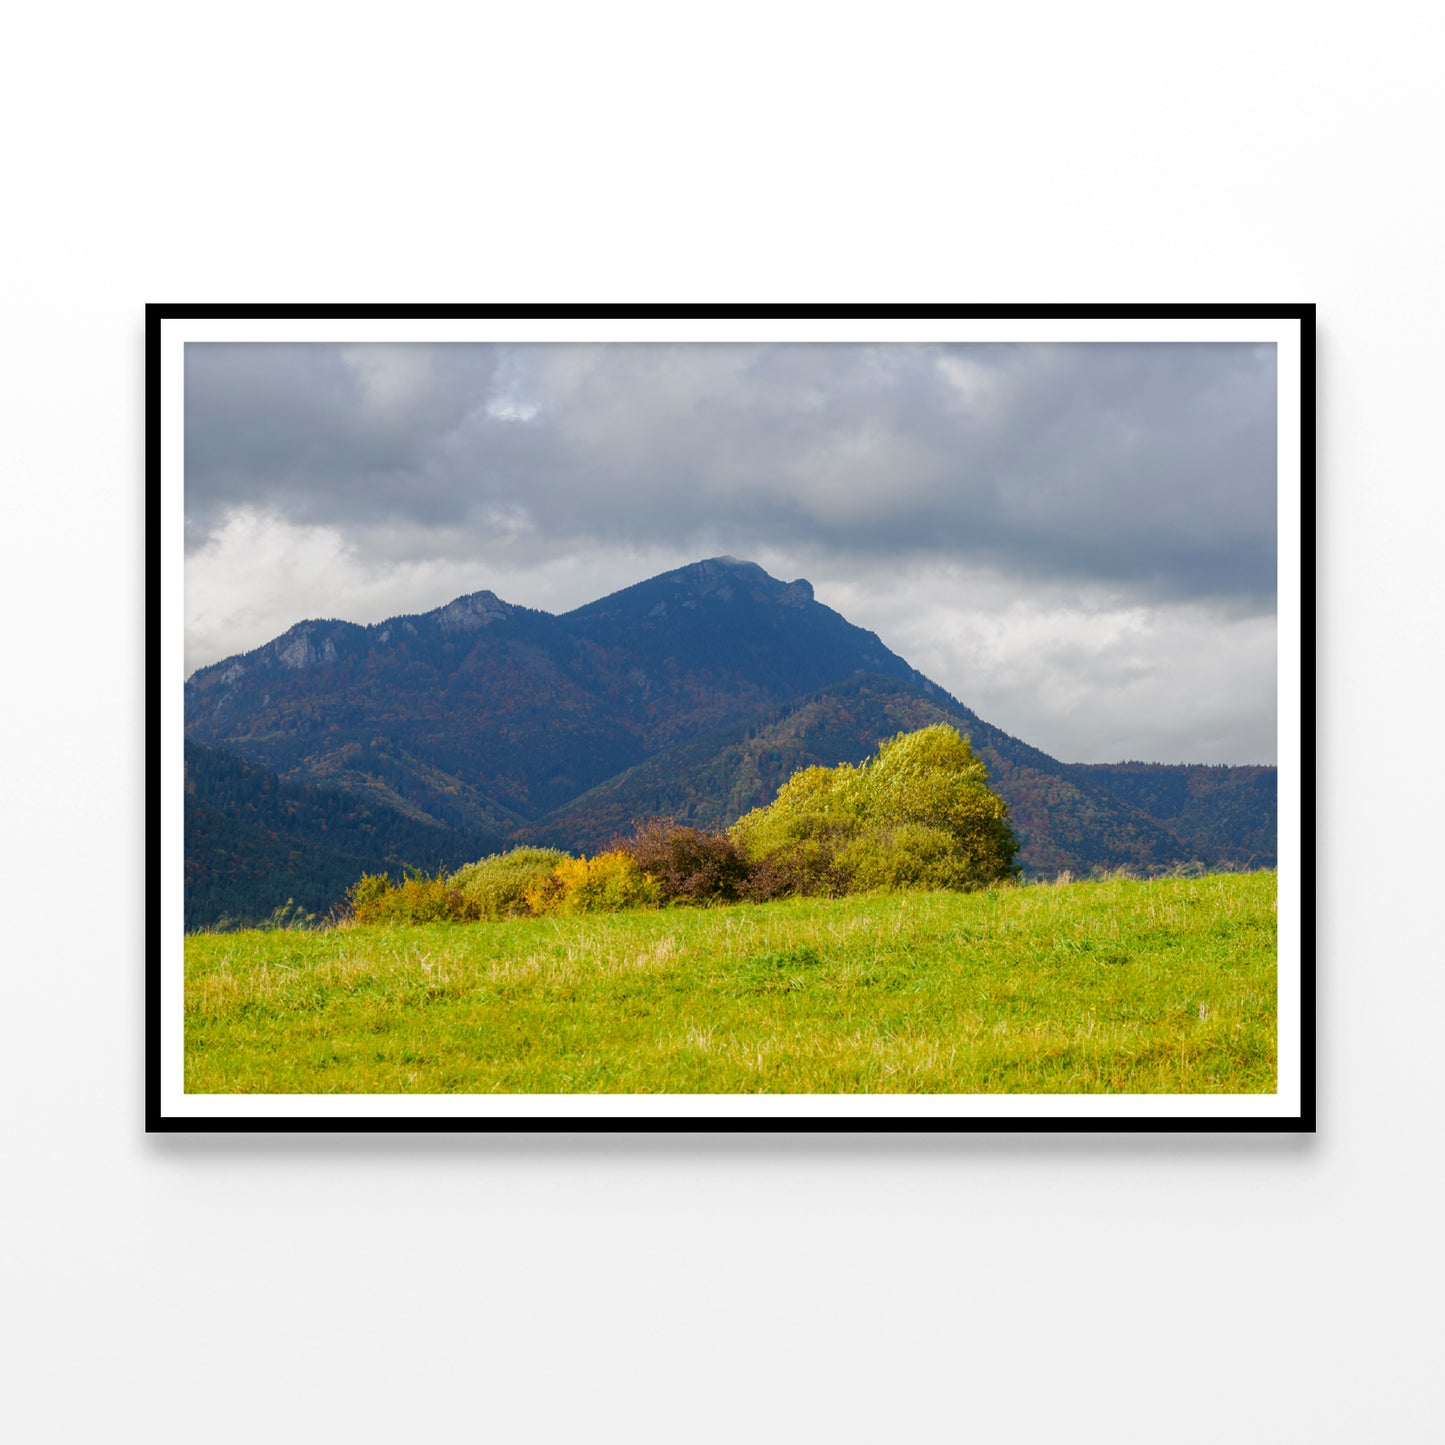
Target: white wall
(556,1289)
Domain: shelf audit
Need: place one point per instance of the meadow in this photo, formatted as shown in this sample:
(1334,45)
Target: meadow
(1113,986)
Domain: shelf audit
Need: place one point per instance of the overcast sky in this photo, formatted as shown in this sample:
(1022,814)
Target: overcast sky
(1078,541)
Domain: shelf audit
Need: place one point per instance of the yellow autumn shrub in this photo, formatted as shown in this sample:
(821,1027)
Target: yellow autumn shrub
(607,883)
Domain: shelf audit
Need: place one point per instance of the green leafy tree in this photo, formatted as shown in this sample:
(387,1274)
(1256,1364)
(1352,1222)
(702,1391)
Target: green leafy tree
(919,815)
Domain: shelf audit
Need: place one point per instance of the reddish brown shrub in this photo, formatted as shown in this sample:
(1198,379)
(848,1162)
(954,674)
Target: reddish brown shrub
(800,871)
(691,865)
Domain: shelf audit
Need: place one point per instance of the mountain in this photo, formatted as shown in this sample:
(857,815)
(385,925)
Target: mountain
(1062,822)
(694,694)
(1225,814)
(483,715)
(254,843)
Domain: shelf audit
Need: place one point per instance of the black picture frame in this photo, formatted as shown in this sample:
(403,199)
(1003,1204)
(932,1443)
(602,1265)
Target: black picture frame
(1298,1112)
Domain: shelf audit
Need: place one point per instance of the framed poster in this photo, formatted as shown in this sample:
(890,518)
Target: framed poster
(688,718)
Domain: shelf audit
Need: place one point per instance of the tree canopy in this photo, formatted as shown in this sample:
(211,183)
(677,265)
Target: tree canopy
(918,815)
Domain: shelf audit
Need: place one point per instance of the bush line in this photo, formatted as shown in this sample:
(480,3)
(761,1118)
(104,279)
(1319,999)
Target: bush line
(919,815)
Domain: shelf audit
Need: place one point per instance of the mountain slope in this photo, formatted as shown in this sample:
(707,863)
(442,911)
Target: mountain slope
(484,715)
(1228,815)
(1061,821)
(475,715)
(253,843)
(694,694)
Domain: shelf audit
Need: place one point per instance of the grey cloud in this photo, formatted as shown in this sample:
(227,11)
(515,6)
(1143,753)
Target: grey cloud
(326,434)
(1147,467)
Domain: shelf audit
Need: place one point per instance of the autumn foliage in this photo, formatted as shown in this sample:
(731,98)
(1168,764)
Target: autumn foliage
(920,815)
(690,865)
(605,884)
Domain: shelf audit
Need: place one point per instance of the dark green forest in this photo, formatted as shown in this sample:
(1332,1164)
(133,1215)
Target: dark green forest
(255,843)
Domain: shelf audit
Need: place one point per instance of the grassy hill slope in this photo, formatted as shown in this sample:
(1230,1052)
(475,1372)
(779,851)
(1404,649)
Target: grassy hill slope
(1113,987)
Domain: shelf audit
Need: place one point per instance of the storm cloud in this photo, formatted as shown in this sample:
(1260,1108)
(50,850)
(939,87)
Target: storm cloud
(1150,465)
(1058,495)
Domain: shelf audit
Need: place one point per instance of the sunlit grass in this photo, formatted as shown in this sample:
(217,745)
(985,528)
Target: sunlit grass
(1103,987)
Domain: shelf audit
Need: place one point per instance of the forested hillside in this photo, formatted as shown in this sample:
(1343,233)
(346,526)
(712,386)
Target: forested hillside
(694,694)
(1062,822)
(1222,813)
(484,715)
(254,842)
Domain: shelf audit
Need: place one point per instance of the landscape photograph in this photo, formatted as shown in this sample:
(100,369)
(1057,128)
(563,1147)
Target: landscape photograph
(859,722)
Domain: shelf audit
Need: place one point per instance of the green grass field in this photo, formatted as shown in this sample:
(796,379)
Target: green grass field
(1103,987)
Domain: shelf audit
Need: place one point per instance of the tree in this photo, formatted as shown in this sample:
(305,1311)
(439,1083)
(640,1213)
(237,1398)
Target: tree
(918,815)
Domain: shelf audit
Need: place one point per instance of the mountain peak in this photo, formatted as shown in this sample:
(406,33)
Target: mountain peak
(739,565)
(714,579)
(472,612)
(717,573)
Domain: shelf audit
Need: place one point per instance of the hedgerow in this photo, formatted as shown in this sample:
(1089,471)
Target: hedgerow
(689,865)
(374,898)
(607,883)
(496,887)
(920,815)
